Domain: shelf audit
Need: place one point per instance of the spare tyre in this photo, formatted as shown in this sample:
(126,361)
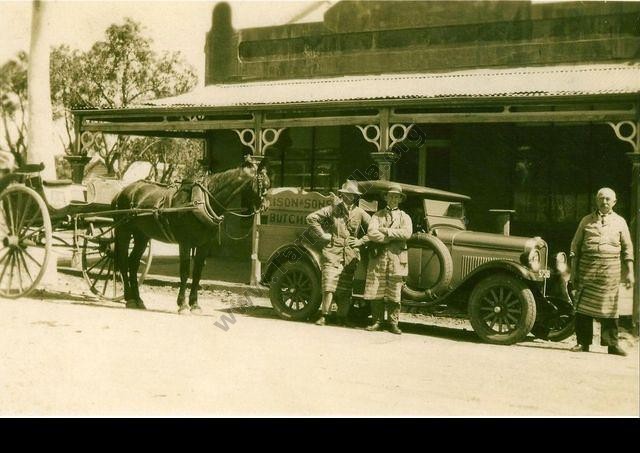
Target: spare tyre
(430,268)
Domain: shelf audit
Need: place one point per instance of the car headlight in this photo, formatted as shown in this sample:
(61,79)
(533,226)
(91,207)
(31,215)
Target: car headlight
(534,260)
(561,263)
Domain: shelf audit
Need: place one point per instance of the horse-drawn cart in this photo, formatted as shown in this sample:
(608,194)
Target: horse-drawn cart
(32,223)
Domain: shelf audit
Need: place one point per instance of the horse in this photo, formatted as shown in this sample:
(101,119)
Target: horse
(164,214)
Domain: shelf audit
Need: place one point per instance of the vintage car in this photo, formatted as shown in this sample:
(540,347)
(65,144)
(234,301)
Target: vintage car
(501,282)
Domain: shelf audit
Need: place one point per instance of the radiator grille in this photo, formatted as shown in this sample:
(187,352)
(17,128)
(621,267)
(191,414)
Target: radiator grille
(469,263)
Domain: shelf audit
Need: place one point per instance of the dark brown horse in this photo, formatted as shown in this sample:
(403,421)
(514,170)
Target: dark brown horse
(168,218)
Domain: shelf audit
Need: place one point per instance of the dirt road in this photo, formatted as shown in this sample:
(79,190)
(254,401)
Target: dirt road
(62,355)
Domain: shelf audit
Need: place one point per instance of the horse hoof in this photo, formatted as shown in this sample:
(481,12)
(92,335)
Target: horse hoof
(183,310)
(131,304)
(196,310)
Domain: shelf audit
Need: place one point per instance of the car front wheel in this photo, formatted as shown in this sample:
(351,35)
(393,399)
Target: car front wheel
(295,290)
(502,309)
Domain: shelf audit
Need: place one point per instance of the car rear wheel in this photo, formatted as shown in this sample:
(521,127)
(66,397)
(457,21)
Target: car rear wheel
(295,291)
(502,309)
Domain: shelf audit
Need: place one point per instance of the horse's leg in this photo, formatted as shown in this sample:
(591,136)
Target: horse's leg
(140,242)
(185,269)
(198,264)
(122,239)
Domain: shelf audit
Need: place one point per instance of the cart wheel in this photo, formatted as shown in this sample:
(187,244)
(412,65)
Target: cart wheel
(98,264)
(25,240)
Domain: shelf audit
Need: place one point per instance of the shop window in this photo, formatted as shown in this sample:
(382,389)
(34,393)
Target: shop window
(300,161)
(554,184)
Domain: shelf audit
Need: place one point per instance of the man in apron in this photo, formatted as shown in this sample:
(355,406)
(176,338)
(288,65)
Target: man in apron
(601,242)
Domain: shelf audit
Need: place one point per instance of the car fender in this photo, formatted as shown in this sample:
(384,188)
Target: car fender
(290,252)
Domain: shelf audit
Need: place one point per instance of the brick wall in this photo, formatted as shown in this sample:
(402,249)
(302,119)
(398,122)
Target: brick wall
(368,37)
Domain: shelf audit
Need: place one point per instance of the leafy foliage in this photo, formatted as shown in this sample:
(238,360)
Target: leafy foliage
(120,71)
(13,106)
(117,72)
(171,159)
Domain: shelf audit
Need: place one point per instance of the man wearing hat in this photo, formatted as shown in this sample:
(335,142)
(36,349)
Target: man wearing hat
(340,225)
(390,228)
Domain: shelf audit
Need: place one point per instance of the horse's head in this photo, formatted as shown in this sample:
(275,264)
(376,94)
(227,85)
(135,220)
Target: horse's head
(248,181)
(256,192)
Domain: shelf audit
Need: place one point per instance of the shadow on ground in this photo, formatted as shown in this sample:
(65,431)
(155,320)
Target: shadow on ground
(457,334)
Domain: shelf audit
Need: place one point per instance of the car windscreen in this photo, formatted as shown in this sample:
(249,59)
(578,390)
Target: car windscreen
(451,209)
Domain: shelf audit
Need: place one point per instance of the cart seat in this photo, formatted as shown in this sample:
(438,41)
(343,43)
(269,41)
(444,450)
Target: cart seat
(56,182)
(62,193)
(30,168)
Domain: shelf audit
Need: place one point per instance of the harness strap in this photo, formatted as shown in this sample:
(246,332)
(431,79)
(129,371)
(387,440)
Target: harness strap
(233,194)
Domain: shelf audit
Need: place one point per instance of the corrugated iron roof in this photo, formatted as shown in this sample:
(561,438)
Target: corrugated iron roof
(527,82)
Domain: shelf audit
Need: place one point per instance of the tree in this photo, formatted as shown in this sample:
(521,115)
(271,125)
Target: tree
(13,106)
(170,158)
(118,72)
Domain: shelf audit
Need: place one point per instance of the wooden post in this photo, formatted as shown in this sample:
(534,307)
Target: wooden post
(503,220)
(383,161)
(384,158)
(422,165)
(40,134)
(635,230)
(384,131)
(256,266)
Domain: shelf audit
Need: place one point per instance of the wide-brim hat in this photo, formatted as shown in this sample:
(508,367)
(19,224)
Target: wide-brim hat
(396,188)
(350,187)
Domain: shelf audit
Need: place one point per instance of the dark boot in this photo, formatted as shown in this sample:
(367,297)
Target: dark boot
(617,350)
(393,311)
(580,348)
(377,313)
(344,304)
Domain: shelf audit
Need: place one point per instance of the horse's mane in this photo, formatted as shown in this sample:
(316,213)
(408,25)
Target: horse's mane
(227,184)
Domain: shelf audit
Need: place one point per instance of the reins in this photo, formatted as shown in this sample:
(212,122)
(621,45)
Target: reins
(221,218)
(225,210)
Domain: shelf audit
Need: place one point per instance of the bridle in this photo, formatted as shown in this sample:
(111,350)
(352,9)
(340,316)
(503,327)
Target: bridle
(261,183)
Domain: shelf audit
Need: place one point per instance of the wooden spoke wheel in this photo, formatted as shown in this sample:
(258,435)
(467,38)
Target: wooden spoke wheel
(502,309)
(25,240)
(295,291)
(99,266)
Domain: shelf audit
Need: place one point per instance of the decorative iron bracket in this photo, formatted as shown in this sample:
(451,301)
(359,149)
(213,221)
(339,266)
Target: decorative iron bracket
(632,137)
(87,140)
(267,141)
(397,133)
(375,139)
(404,133)
(248,138)
(268,137)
